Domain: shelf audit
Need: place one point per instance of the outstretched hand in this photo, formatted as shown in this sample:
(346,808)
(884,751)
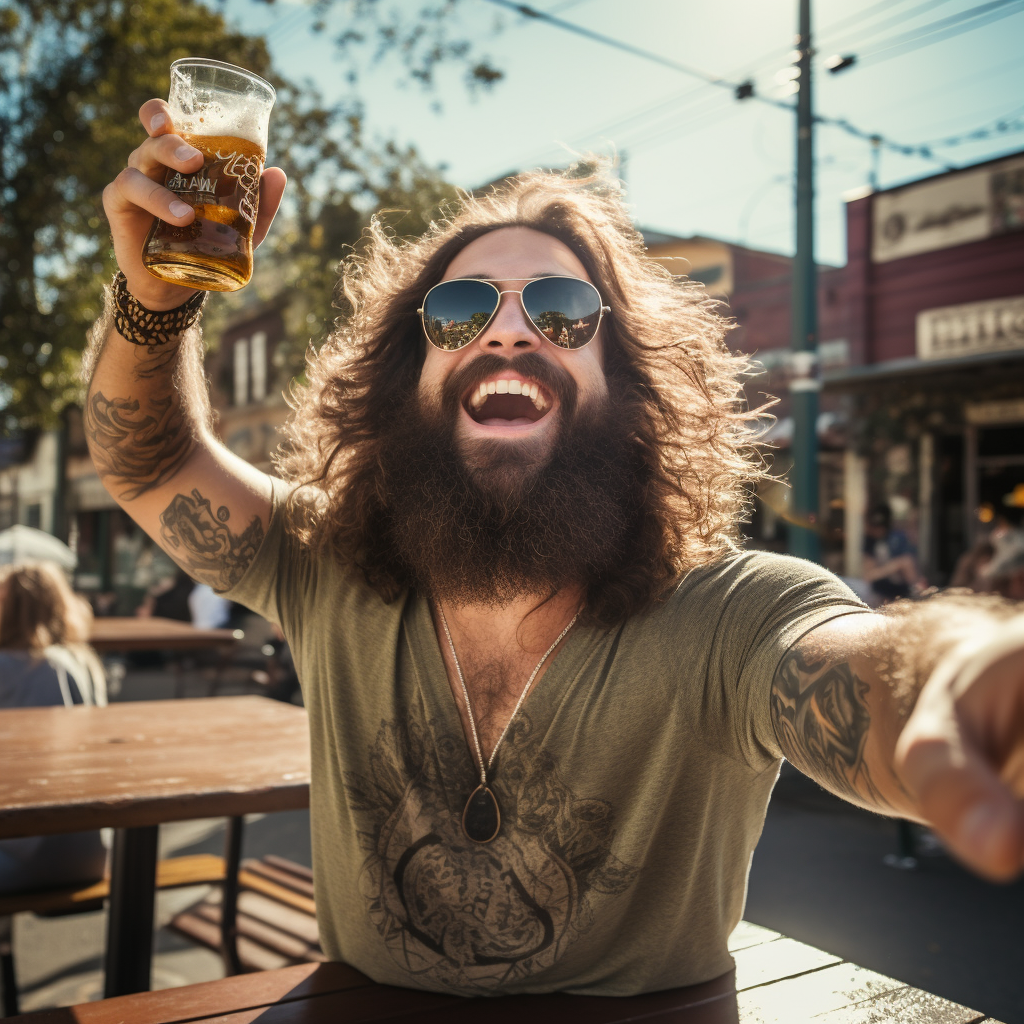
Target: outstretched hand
(137,195)
(961,753)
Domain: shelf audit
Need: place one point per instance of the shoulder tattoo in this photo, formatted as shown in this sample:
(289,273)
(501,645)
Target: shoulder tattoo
(201,542)
(822,720)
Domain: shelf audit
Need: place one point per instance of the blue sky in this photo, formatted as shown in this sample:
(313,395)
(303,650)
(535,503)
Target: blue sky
(697,161)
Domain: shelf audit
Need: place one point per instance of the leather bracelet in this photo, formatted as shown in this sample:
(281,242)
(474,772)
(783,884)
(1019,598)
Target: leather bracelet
(147,327)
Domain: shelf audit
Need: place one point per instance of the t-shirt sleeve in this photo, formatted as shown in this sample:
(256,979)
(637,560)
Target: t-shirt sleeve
(280,574)
(758,605)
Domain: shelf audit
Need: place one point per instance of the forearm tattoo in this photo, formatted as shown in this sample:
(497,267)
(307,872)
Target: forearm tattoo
(137,450)
(822,720)
(200,541)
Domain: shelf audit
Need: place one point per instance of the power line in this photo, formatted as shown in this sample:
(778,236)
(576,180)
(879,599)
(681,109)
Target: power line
(855,38)
(945,28)
(531,12)
(717,80)
(1012,122)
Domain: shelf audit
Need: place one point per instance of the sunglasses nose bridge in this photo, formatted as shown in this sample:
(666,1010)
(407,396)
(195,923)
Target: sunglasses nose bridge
(511,324)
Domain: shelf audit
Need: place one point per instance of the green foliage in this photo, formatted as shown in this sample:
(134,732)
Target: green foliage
(73,74)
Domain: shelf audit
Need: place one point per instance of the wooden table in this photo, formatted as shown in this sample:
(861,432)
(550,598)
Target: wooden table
(135,765)
(776,980)
(108,635)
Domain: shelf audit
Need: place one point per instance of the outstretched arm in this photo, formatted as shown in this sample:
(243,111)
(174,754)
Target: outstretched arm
(147,415)
(918,712)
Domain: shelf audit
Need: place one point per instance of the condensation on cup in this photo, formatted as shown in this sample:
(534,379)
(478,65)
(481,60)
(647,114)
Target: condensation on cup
(223,111)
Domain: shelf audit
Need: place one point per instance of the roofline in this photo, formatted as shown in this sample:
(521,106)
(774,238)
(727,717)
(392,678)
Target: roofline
(900,368)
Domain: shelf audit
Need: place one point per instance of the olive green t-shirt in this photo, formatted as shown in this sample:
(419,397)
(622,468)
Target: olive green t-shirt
(632,785)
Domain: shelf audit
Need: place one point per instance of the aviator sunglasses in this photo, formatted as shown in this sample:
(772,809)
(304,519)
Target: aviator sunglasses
(565,310)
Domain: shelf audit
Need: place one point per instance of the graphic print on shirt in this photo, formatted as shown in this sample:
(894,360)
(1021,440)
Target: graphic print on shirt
(466,916)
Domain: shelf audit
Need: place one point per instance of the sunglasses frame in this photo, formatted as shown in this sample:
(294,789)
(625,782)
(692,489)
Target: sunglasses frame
(494,282)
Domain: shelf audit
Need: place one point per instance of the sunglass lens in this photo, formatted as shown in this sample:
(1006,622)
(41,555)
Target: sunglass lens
(565,309)
(455,312)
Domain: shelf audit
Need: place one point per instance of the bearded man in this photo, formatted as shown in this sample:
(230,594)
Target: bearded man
(548,693)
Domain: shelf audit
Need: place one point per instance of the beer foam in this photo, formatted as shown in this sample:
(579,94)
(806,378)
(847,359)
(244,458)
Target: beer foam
(200,110)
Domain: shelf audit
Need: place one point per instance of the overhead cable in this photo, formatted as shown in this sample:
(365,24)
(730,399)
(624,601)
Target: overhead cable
(937,31)
(717,80)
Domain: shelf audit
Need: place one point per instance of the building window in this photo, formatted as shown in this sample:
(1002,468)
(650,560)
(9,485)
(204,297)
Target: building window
(250,371)
(258,365)
(34,515)
(241,372)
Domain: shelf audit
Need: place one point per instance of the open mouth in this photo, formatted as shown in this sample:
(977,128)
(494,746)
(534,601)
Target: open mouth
(508,402)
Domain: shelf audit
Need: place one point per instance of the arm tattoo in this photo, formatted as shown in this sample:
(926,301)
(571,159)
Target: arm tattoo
(137,451)
(822,720)
(201,543)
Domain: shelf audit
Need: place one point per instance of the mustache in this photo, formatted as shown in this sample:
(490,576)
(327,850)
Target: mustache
(551,376)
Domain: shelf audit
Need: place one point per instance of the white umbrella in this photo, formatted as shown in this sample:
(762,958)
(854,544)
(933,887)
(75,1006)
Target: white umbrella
(26,544)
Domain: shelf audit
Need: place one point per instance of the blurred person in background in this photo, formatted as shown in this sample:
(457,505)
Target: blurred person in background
(1004,572)
(562,478)
(45,660)
(890,562)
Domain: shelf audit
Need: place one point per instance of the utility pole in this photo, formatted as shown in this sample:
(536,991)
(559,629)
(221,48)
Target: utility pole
(804,381)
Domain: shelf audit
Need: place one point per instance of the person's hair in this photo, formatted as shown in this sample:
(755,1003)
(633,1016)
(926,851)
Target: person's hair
(665,356)
(38,609)
(881,515)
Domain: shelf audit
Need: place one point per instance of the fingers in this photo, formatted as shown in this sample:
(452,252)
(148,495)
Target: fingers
(956,756)
(965,803)
(132,191)
(272,186)
(156,154)
(155,116)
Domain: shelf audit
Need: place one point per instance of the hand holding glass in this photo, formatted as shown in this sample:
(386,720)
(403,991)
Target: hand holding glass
(222,111)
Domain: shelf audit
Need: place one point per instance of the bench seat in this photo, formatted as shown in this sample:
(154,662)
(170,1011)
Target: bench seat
(174,873)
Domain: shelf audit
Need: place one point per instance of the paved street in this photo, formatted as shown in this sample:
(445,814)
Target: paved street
(817,876)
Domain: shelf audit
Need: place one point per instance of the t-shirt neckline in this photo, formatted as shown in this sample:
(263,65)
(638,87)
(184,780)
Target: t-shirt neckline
(432,676)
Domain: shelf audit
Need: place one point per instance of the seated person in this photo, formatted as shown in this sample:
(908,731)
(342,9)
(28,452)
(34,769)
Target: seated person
(890,565)
(45,660)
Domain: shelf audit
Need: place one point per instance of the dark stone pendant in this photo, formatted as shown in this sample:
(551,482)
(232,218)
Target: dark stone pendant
(481,819)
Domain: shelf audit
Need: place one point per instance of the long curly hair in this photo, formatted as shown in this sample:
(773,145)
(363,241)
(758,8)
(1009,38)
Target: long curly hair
(665,357)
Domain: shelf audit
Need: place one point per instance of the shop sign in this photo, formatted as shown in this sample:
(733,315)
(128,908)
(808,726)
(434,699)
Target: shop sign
(1010,410)
(977,327)
(960,207)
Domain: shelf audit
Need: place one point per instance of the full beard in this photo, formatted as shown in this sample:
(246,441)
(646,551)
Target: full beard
(491,521)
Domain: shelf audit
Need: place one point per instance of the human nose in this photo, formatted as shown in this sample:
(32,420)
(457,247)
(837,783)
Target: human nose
(510,327)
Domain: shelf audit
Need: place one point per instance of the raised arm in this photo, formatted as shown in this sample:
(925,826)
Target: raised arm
(147,414)
(917,713)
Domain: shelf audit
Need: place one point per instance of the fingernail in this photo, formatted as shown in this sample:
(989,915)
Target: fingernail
(179,209)
(186,152)
(157,121)
(979,830)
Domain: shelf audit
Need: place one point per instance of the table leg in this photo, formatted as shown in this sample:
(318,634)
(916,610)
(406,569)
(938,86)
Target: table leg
(130,913)
(229,897)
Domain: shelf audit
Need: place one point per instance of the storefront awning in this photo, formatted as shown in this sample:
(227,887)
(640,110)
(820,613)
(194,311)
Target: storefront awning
(855,377)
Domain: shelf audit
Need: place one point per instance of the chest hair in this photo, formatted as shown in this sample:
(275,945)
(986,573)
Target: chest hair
(495,683)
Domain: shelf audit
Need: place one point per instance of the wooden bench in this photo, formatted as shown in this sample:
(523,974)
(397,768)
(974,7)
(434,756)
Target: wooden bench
(173,873)
(275,920)
(776,980)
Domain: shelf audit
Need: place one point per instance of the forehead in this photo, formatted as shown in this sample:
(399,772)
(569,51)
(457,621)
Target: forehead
(512,253)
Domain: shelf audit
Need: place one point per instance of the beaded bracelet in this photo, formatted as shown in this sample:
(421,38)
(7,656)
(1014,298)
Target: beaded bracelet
(146,327)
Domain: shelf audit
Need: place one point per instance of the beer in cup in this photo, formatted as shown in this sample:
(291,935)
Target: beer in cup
(222,111)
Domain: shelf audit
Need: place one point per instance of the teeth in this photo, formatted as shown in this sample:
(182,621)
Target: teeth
(509,387)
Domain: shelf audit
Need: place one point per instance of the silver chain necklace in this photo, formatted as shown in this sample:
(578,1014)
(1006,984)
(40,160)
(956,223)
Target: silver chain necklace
(481,817)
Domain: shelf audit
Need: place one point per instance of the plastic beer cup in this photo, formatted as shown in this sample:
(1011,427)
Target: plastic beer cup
(223,111)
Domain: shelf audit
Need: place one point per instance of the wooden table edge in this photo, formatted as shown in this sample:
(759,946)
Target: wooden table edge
(135,813)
